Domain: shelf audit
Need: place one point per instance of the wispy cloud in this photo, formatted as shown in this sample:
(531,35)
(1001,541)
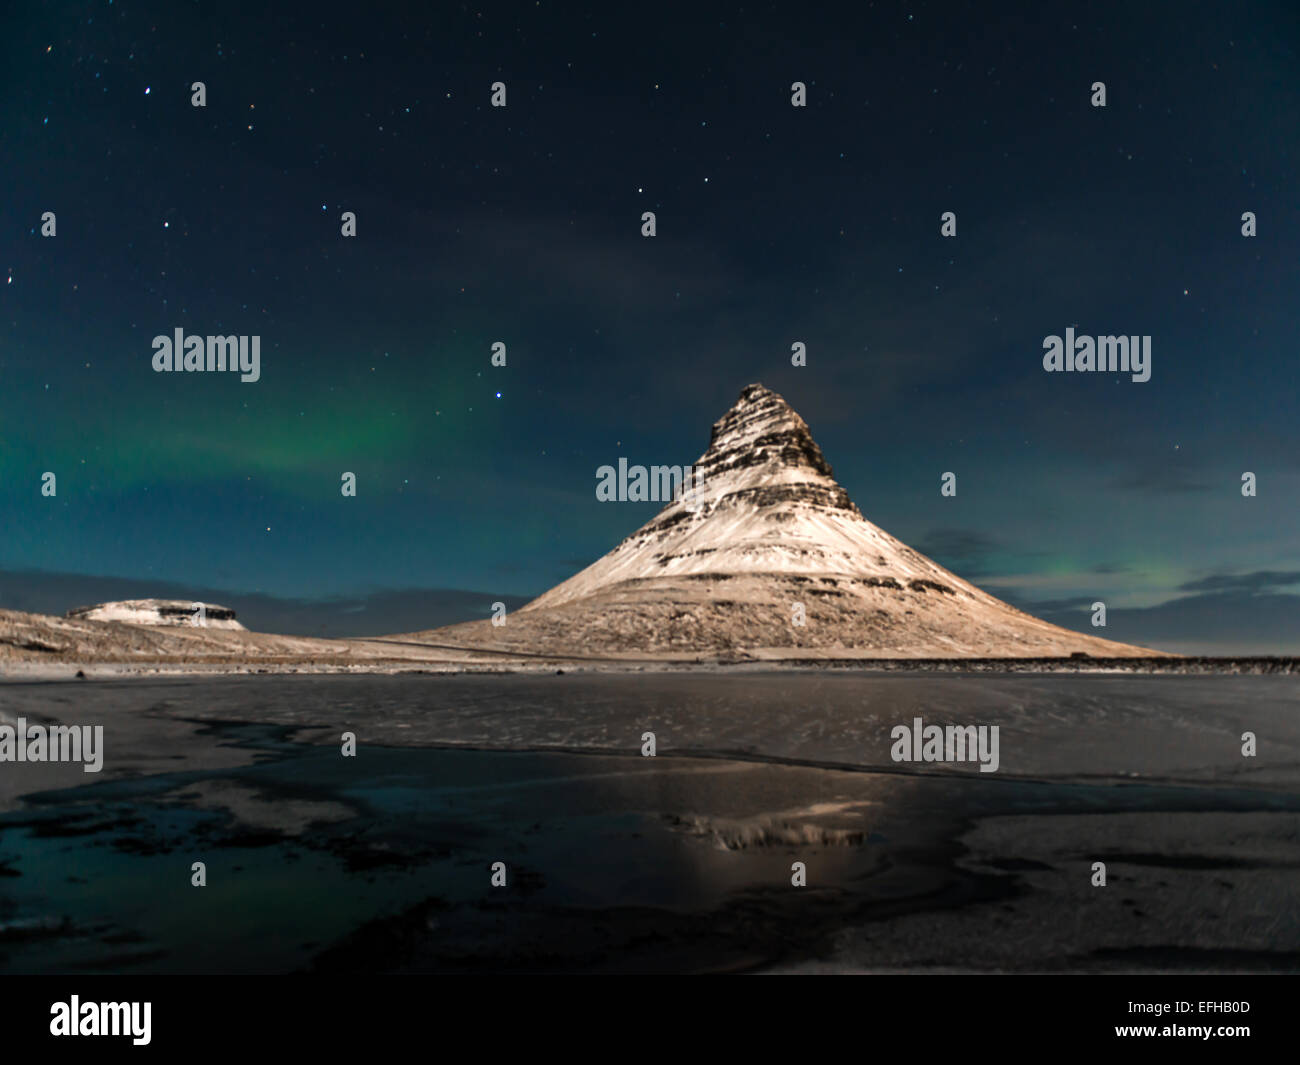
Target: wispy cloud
(1258,581)
(1160,480)
(967,551)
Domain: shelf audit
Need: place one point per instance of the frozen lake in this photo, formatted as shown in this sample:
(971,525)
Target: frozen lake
(683,861)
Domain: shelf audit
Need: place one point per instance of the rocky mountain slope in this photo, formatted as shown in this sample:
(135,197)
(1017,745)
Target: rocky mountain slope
(39,640)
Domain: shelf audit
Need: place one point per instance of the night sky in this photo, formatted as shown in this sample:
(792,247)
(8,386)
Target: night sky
(522,224)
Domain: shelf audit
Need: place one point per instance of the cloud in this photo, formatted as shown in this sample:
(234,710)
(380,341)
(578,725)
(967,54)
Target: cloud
(964,550)
(1160,481)
(957,543)
(1043,607)
(1257,581)
(1237,622)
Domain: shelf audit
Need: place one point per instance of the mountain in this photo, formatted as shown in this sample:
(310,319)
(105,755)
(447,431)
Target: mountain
(724,574)
(42,641)
(769,539)
(168,612)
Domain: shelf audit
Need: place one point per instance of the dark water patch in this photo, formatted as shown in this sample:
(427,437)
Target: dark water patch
(120,962)
(29,929)
(748,930)
(1194,861)
(121,938)
(579,835)
(71,823)
(1192,959)
(1018,865)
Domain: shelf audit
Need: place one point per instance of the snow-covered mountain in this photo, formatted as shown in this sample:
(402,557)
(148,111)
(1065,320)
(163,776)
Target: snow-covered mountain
(768,541)
(160,612)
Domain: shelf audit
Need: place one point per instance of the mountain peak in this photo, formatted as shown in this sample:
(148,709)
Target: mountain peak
(761,452)
(764,501)
(757,411)
(757,392)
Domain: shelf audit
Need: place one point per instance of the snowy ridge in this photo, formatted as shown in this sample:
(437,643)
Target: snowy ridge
(170,612)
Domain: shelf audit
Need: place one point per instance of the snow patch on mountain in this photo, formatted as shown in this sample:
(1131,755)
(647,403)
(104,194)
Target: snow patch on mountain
(160,612)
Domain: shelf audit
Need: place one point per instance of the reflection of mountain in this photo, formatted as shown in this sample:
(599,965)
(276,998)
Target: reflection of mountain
(769,541)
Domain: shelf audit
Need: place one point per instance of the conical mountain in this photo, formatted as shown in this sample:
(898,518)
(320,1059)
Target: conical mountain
(766,541)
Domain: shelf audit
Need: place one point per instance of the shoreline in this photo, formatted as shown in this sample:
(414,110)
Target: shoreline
(28,671)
